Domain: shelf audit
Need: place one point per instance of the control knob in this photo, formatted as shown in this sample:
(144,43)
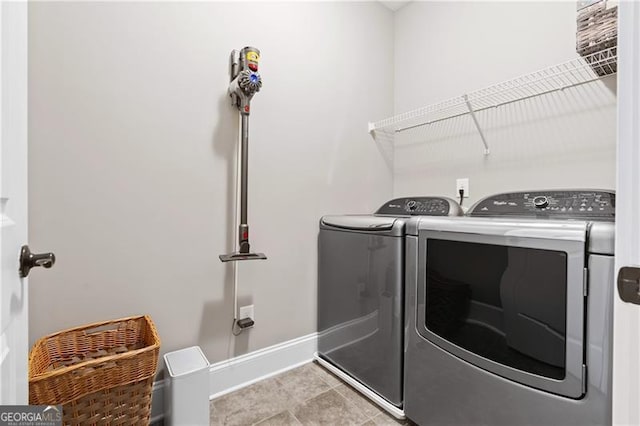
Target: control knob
(412,205)
(541,202)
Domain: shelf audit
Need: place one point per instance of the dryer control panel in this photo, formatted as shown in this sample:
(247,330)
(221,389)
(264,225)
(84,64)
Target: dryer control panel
(420,206)
(554,204)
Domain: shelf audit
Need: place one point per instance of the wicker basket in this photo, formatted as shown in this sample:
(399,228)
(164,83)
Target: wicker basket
(597,28)
(100,373)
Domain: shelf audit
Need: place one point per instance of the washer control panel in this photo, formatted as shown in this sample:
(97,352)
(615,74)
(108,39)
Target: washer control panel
(570,204)
(420,206)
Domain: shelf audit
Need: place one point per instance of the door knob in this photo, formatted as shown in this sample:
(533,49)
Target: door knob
(629,284)
(30,260)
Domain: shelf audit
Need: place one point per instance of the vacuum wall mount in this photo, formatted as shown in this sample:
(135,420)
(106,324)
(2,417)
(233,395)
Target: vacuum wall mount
(245,82)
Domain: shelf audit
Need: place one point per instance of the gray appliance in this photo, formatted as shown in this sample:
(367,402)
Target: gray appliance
(509,312)
(361,291)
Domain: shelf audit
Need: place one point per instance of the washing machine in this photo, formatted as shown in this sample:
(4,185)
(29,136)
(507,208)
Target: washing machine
(509,312)
(361,295)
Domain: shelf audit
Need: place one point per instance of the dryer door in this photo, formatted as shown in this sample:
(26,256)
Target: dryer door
(507,297)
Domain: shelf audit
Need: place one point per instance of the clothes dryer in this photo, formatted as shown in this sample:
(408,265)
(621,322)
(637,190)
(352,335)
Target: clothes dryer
(509,312)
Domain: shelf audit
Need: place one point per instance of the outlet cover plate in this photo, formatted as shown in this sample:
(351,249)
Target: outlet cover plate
(246,312)
(462,183)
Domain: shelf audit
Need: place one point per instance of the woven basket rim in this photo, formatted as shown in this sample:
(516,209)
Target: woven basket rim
(93,325)
(97,361)
(91,363)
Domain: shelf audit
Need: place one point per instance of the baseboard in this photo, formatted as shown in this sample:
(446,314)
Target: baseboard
(235,373)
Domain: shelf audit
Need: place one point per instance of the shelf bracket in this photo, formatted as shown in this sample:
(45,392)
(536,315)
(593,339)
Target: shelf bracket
(475,121)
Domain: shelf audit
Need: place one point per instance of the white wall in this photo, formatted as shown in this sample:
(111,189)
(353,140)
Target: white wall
(131,155)
(445,49)
(132,145)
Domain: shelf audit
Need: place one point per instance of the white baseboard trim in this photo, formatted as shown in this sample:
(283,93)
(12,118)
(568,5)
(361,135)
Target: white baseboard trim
(235,373)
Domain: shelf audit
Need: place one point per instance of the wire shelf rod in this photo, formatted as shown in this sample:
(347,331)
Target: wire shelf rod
(576,72)
(497,105)
(477,124)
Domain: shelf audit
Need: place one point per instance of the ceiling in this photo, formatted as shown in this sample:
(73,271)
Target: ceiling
(395,4)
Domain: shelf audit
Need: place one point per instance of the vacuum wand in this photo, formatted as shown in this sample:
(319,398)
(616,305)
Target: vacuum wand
(245,82)
(243,231)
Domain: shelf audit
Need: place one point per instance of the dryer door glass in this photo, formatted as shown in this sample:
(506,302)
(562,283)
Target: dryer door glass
(503,303)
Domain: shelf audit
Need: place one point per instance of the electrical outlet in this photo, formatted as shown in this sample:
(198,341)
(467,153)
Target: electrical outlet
(246,312)
(462,183)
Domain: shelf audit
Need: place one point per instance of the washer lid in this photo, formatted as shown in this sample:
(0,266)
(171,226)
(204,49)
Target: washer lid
(366,223)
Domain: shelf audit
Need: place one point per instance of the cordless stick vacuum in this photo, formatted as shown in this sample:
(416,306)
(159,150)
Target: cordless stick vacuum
(245,82)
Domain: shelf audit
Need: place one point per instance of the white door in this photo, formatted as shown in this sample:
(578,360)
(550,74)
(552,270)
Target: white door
(626,335)
(14,299)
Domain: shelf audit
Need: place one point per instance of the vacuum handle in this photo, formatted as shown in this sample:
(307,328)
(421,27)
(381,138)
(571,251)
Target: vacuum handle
(243,229)
(244,170)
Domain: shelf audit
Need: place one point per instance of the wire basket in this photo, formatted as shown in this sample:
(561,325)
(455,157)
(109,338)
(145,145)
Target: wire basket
(100,373)
(597,27)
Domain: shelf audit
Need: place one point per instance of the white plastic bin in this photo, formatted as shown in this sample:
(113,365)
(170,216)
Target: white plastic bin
(187,395)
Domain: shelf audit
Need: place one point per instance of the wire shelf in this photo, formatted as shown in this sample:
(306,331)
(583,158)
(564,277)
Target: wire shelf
(555,78)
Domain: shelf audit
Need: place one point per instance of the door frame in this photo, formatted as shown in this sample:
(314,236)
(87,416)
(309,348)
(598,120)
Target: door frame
(626,335)
(14,349)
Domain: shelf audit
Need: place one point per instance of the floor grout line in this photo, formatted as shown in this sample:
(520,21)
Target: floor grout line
(315,396)
(294,416)
(317,375)
(355,406)
(283,385)
(316,365)
(267,418)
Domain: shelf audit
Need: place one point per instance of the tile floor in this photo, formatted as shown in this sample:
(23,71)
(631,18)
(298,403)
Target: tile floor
(307,395)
